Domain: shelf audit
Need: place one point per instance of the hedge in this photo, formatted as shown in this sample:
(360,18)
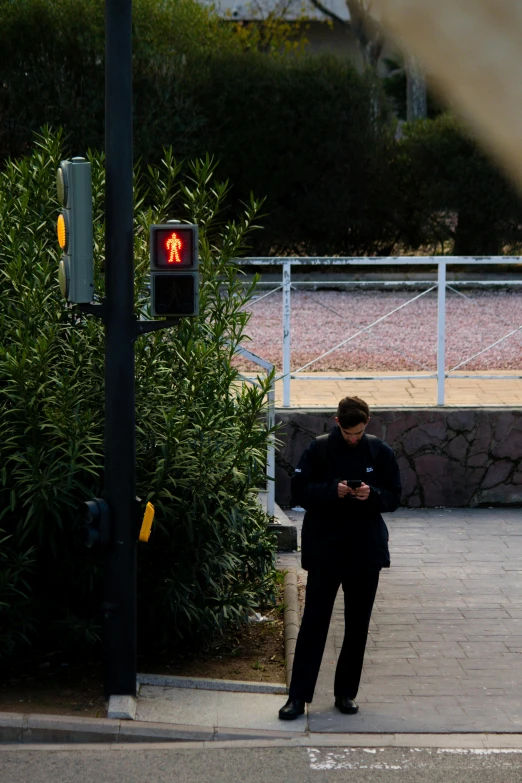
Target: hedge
(309,133)
(201,436)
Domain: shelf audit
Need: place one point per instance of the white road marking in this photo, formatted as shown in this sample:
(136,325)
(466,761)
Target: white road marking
(342,758)
(339,759)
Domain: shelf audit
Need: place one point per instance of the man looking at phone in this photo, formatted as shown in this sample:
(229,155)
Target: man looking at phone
(344,480)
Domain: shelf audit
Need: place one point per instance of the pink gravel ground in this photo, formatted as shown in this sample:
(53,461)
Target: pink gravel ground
(406,340)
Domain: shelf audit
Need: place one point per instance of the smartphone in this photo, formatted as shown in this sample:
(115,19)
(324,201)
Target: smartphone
(354,483)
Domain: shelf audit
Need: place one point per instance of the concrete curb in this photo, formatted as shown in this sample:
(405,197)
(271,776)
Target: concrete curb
(122,707)
(291,619)
(32,729)
(241,686)
(50,733)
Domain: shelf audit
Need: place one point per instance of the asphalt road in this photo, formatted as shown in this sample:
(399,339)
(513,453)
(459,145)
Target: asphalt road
(259,765)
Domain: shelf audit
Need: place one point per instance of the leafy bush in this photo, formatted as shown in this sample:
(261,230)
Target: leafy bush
(302,131)
(16,625)
(201,437)
(454,198)
(52,68)
(312,135)
(309,133)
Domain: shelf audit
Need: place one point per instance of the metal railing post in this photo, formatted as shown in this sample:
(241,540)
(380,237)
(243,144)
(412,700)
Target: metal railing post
(270,456)
(270,423)
(286,332)
(441,333)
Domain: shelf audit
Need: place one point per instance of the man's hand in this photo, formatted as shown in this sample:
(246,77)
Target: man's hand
(343,490)
(362,493)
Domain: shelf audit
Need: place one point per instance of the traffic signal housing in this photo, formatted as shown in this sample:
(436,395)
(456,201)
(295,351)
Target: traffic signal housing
(96,523)
(74,228)
(174,276)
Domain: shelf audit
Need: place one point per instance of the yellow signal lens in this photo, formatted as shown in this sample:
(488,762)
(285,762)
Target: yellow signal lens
(146,525)
(61,230)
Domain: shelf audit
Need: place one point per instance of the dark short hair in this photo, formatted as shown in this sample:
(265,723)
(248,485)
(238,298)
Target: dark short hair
(352,411)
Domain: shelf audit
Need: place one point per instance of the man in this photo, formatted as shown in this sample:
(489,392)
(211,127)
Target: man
(344,542)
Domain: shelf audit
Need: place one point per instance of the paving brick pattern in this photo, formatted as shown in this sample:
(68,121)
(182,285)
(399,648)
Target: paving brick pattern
(419,392)
(444,651)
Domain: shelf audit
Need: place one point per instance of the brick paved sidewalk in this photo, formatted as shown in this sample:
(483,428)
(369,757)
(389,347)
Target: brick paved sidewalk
(445,646)
(421,392)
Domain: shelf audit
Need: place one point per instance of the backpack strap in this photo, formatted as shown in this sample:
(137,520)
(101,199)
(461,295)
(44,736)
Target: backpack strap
(322,442)
(374,443)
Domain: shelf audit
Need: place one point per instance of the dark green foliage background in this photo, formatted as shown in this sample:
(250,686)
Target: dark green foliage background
(455,197)
(309,133)
(201,439)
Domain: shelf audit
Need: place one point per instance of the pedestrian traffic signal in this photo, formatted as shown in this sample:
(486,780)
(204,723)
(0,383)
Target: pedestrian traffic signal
(76,272)
(174,277)
(95,520)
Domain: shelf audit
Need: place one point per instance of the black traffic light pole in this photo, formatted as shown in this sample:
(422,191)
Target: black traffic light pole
(119,606)
(121,329)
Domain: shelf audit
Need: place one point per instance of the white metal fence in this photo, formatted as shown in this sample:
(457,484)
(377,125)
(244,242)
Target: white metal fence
(441,285)
(270,457)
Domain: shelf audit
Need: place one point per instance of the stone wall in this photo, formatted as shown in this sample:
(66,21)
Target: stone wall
(447,457)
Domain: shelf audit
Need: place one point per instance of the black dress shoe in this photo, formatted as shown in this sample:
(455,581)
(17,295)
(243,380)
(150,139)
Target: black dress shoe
(292,709)
(347,706)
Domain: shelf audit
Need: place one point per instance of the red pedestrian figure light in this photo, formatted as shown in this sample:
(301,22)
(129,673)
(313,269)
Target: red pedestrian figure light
(174,277)
(174,245)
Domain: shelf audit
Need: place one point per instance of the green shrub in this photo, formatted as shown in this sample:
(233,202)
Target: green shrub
(52,69)
(302,131)
(453,197)
(309,133)
(16,623)
(201,438)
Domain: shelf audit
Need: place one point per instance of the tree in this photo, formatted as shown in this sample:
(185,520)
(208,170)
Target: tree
(370,37)
(416,96)
(270,29)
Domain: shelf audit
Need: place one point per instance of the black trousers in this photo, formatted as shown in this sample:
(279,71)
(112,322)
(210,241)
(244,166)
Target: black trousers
(359,587)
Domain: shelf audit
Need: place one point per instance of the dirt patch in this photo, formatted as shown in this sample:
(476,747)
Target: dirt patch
(254,652)
(53,685)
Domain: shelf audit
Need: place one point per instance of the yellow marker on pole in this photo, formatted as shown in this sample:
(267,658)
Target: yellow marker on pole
(146,525)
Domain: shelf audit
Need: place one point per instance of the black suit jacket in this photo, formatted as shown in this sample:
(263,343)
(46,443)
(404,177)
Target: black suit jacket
(345,531)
